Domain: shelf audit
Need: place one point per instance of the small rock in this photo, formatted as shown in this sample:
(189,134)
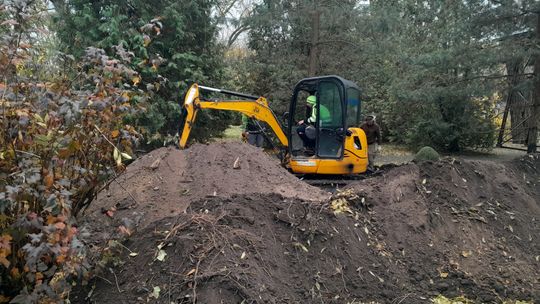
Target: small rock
(442,286)
(156,188)
(155,164)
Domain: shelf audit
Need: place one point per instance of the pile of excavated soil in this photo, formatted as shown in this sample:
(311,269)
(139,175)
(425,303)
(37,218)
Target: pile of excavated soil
(452,227)
(462,227)
(164,182)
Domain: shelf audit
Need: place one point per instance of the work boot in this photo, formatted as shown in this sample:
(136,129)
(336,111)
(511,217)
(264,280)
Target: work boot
(308,152)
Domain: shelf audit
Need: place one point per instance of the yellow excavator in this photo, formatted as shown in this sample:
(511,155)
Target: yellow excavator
(339,146)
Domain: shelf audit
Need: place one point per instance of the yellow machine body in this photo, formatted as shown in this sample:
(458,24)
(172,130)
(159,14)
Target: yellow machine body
(354,161)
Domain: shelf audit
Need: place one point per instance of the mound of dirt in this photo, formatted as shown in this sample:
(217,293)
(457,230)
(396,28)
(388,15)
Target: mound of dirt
(164,182)
(451,227)
(463,227)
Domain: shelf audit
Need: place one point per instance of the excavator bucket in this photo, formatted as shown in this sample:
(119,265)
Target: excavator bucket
(192,97)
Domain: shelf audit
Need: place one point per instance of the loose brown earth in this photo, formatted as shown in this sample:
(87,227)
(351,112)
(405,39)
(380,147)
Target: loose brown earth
(257,234)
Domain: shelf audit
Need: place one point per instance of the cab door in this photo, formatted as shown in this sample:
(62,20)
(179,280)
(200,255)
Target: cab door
(330,119)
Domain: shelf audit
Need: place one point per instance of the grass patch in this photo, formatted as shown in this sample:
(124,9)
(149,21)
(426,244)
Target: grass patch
(233,132)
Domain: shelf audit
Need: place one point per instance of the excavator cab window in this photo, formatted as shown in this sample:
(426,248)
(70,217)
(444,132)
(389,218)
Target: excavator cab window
(330,120)
(353,107)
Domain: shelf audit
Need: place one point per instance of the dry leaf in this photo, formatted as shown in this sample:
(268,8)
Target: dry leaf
(192,271)
(444,275)
(126,156)
(117,157)
(60,226)
(466,253)
(124,230)
(115,133)
(155,292)
(301,246)
(4,262)
(161,255)
(48,180)
(236,164)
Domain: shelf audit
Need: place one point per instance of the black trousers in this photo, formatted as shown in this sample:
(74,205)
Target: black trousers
(308,143)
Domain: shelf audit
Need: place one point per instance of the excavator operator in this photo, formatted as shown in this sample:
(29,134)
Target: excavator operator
(306,130)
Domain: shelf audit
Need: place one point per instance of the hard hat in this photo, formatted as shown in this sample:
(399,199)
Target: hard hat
(312,99)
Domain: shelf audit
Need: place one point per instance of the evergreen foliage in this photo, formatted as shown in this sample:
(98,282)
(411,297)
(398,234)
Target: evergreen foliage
(434,72)
(426,153)
(186,51)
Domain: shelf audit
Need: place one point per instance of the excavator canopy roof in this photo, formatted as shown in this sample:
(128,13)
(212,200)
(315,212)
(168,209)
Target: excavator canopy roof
(310,84)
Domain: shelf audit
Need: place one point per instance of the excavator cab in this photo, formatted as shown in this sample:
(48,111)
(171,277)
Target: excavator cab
(340,146)
(337,145)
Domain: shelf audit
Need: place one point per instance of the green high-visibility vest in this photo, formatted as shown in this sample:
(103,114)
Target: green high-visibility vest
(325,114)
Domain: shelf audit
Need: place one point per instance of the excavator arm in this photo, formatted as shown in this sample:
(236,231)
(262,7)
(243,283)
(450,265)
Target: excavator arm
(255,107)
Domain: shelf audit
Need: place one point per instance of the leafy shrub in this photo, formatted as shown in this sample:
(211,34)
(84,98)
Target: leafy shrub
(60,142)
(426,153)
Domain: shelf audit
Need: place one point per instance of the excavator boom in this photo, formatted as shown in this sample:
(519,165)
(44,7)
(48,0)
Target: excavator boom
(254,107)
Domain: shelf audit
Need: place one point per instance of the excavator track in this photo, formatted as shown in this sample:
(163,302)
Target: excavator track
(336,182)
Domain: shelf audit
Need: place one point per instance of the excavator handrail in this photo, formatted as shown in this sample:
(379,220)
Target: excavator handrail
(256,107)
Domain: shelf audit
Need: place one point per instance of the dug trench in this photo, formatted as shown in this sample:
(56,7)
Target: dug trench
(191,227)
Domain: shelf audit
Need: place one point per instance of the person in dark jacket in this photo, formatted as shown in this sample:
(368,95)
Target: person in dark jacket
(373,134)
(252,132)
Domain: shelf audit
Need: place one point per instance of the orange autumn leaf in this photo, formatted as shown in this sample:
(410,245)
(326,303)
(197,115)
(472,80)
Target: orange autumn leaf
(60,259)
(115,133)
(60,226)
(51,219)
(64,153)
(48,181)
(4,261)
(15,273)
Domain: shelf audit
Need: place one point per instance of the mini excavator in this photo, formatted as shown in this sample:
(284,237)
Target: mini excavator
(340,145)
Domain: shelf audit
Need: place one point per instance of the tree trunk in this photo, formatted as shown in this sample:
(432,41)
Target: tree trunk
(535,112)
(314,44)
